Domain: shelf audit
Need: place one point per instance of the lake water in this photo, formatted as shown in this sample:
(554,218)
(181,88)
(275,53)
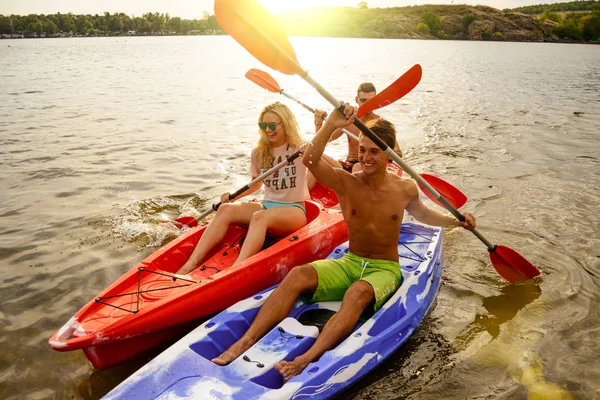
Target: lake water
(102,137)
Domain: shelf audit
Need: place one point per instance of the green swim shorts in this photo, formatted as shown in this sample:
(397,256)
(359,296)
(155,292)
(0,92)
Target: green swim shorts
(336,276)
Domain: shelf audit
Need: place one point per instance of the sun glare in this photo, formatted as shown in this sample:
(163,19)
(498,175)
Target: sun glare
(279,6)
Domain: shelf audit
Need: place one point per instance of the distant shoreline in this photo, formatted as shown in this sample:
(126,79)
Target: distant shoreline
(327,37)
(575,22)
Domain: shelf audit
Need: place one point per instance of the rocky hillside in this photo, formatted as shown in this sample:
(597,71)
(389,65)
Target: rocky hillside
(458,22)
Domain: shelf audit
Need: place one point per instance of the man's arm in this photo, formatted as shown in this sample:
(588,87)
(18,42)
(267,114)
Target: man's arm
(336,135)
(429,216)
(313,156)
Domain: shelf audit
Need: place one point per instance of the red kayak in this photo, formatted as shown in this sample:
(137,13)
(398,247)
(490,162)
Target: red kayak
(148,305)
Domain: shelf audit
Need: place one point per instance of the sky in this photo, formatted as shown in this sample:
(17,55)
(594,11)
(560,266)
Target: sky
(193,9)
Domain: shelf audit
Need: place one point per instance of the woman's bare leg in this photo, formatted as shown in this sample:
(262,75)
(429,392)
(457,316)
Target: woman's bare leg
(280,221)
(227,214)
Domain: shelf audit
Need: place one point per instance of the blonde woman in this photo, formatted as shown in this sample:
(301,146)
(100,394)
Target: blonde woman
(282,210)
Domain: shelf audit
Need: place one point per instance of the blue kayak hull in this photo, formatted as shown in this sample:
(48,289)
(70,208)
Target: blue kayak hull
(185,369)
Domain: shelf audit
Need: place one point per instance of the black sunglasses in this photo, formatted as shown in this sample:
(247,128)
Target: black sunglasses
(363,100)
(271,125)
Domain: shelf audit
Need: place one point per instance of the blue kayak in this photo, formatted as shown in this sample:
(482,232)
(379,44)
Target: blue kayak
(185,370)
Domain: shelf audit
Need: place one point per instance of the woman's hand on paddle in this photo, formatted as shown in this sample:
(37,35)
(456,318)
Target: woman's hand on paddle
(225,197)
(469,223)
(320,116)
(341,120)
(303,147)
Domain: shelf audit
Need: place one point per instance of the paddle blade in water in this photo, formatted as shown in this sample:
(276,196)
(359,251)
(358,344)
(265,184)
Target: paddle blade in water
(258,32)
(511,265)
(400,88)
(264,80)
(189,221)
(449,192)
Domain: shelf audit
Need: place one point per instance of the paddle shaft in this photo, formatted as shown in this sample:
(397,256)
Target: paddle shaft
(432,190)
(397,159)
(256,180)
(312,110)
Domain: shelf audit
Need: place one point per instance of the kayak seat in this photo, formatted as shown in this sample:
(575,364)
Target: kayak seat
(312,212)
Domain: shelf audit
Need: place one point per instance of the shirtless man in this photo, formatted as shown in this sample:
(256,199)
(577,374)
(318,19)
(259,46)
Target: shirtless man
(365,92)
(373,203)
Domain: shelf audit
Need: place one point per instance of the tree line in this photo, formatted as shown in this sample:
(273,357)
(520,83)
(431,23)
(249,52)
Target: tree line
(457,22)
(106,24)
(581,5)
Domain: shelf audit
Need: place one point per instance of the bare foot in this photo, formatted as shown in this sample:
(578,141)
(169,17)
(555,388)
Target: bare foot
(186,277)
(186,268)
(289,369)
(233,351)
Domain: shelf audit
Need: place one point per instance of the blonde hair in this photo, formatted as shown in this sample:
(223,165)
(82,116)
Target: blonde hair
(290,127)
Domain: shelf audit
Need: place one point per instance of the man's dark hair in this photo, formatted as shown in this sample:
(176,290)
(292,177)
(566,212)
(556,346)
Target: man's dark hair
(385,130)
(366,87)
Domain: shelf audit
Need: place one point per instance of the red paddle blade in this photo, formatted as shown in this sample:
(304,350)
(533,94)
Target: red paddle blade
(189,221)
(263,79)
(258,32)
(511,265)
(400,88)
(449,192)
(394,169)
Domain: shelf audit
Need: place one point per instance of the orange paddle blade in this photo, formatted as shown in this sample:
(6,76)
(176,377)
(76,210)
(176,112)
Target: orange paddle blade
(263,79)
(449,192)
(511,265)
(258,32)
(400,88)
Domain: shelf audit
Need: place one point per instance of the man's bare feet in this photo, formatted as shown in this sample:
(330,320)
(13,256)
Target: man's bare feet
(233,351)
(289,369)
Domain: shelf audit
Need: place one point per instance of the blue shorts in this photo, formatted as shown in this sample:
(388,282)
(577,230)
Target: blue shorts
(268,204)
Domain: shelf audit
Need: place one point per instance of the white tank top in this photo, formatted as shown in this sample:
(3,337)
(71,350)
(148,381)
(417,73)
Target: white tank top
(288,184)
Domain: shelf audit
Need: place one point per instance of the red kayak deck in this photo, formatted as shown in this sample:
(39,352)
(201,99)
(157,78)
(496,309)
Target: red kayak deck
(148,305)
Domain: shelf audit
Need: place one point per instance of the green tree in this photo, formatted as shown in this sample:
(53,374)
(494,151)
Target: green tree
(38,28)
(422,28)
(50,27)
(145,26)
(569,29)
(185,26)
(467,20)
(83,25)
(591,27)
(115,24)
(157,21)
(552,16)
(65,22)
(363,5)
(5,25)
(174,25)
(128,24)
(432,21)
